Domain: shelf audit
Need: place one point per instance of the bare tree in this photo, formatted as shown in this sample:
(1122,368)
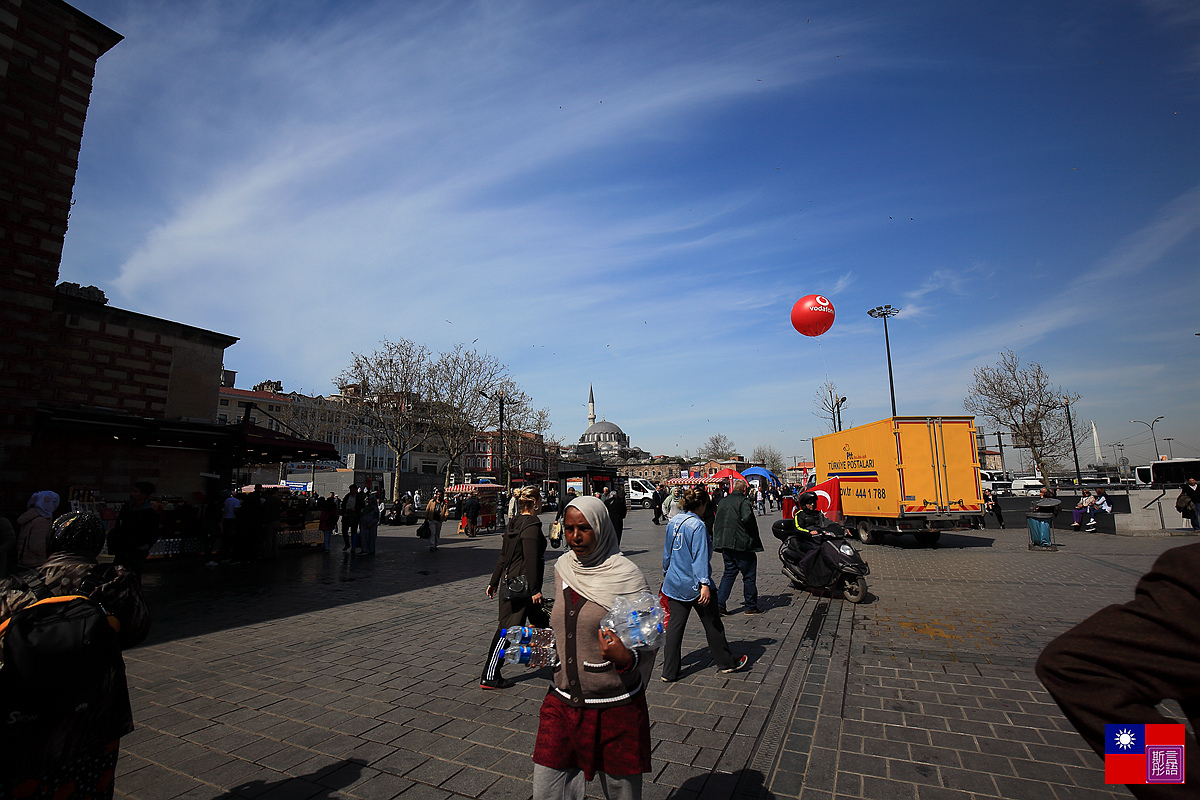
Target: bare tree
(829,405)
(463,384)
(1022,399)
(771,458)
(524,426)
(717,448)
(391,392)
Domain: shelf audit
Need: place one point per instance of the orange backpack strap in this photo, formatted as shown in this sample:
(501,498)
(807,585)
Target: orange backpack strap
(113,622)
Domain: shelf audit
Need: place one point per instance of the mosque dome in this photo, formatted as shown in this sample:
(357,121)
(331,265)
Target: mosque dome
(600,427)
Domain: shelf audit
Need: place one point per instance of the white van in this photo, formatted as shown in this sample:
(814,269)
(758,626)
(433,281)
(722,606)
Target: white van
(640,492)
(1026,486)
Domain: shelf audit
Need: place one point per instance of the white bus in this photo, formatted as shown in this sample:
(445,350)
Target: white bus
(1172,472)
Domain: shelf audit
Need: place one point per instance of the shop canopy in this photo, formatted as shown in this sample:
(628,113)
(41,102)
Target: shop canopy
(692,481)
(462,488)
(728,475)
(762,473)
(239,444)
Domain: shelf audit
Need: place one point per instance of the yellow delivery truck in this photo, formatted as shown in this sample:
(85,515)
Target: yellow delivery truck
(902,475)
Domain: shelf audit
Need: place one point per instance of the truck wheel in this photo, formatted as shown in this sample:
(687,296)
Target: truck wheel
(855,591)
(864,533)
(929,538)
(646,504)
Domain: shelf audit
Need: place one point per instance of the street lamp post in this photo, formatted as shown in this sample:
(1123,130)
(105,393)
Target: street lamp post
(837,410)
(1151,425)
(1168,440)
(500,470)
(1074,448)
(883,312)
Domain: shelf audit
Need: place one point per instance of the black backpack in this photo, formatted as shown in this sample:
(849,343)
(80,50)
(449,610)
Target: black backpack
(58,650)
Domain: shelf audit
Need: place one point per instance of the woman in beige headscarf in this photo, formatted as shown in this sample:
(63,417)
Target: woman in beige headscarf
(594,718)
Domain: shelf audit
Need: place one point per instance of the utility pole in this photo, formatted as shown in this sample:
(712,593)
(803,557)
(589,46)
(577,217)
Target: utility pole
(1000,444)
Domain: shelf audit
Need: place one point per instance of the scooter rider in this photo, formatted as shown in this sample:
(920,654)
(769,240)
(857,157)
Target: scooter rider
(808,519)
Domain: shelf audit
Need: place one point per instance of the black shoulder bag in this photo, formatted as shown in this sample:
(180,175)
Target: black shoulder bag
(516,588)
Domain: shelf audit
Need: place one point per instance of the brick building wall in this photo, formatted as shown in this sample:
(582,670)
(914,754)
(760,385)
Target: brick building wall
(108,358)
(48,53)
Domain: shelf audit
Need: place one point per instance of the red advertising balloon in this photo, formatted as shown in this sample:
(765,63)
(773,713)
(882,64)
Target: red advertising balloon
(812,315)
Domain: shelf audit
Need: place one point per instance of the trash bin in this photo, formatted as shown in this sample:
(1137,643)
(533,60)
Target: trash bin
(1039,519)
(1039,528)
(789,507)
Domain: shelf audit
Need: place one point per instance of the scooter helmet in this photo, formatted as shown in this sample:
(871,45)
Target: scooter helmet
(79,532)
(808,498)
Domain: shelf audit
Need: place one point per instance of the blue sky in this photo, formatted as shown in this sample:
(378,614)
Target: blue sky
(633,195)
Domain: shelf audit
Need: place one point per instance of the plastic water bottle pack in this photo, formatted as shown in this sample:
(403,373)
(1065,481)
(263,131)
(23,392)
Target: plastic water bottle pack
(529,637)
(637,620)
(532,657)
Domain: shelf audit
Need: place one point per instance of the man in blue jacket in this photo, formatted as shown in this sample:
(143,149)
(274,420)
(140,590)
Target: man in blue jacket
(735,537)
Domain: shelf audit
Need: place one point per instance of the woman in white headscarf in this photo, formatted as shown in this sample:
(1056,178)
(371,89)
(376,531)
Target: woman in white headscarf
(35,527)
(594,718)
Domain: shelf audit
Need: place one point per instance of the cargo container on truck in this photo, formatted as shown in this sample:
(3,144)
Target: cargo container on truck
(905,475)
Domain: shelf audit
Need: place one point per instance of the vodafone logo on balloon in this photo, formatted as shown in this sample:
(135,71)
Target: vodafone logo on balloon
(812,315)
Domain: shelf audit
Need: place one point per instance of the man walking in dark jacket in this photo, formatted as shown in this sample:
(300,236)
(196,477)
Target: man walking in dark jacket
(136,531)
(735,537)
(352,506)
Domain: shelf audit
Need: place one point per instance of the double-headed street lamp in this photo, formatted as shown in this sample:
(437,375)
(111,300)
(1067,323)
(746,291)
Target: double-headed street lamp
(1151,425)
(837,411)
(883,312)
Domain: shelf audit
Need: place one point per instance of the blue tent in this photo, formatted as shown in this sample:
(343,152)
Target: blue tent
(764,473)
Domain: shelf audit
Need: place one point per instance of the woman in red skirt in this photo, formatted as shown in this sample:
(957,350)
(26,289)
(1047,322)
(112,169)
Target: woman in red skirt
(594,719)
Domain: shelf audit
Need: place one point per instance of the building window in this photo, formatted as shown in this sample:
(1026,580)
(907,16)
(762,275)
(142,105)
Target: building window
(223,417)
(224,401)
(241,404)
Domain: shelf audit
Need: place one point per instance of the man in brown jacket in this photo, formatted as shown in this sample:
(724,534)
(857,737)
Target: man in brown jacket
(1117,665)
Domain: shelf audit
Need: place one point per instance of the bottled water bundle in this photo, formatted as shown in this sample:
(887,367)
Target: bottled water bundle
(637,620)
(529,637)
(533,657)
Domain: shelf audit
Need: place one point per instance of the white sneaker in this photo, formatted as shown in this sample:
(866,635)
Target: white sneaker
(212,564)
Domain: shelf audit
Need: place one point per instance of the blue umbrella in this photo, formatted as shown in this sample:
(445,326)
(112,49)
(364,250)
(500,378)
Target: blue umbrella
(765,473)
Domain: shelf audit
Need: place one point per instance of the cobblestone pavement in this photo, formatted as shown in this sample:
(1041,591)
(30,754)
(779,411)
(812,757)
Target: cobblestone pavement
(348,676)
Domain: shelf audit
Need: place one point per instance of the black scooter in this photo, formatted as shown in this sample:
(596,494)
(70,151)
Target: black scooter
(821,560)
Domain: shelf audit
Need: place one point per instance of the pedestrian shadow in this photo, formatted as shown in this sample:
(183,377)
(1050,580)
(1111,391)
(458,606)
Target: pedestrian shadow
(946,540)
(745,784)
(770,601)
(326,782)
(700,659)
(187,599)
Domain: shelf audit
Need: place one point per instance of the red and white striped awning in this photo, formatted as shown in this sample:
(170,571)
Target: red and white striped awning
(463,488)
(692,481)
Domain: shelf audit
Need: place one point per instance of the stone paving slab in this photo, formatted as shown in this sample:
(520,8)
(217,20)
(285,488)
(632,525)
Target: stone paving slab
(347,676)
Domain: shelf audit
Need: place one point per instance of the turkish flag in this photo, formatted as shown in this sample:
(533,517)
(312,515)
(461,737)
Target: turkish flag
(829,499)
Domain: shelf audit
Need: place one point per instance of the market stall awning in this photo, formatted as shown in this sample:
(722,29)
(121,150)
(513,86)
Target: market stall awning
(728,475)
(462,488)
(692,481)
(762,473)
